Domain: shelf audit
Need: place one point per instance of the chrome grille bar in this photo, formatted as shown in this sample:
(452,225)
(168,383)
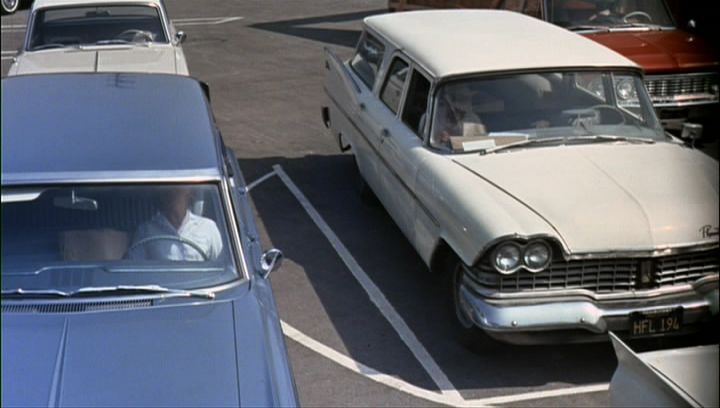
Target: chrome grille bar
(683,89)
(603,275)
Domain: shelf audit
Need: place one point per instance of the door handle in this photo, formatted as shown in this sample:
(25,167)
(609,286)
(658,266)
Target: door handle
(362,106)
(385,133)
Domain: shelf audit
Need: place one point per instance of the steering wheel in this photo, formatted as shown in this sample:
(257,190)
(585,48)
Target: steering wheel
(182,240)
(134,35)
(637,13)
(609,108)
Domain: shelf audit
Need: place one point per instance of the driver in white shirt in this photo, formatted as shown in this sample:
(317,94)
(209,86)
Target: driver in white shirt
(175,233)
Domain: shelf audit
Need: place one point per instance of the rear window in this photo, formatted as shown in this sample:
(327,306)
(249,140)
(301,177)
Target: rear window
(367,59)
(67,237)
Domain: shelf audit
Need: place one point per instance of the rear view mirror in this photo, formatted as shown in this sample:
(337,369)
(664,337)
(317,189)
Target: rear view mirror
(691,132)
(75,202)
(270,261)
(180,37)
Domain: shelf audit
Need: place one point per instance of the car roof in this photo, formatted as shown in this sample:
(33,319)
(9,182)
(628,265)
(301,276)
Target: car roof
(63,3)
(106,126)
(457,42)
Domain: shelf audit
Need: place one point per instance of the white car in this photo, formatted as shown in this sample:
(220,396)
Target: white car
(100,36)
(526,164)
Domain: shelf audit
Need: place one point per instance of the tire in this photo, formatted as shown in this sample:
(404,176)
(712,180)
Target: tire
(466,332)
(367,195)
(9,6)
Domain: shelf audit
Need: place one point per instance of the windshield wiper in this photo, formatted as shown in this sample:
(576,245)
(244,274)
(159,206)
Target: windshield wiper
(117,41)
(565,140)
(587,27)
(646,26)
(522,143)
(120,289)
(53,45)
(613,138)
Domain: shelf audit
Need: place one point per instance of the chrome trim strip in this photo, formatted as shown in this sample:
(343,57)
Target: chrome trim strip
(235,238)
(683,248)
(124,177)
(535,296)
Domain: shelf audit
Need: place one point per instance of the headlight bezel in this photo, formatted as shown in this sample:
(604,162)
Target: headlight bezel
(522,263)
(496,251)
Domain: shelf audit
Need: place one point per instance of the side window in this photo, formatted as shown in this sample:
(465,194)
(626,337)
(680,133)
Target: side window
(367,59)
(394,83)
(416,103)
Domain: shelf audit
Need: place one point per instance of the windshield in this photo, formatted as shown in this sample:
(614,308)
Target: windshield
(589,14)
(78,26)
(481,113)
(66,238)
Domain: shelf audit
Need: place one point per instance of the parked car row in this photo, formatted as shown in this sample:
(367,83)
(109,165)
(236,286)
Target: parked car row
(682,68)
(538,181)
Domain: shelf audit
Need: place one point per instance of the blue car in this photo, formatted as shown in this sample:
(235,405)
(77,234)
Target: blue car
(132,273)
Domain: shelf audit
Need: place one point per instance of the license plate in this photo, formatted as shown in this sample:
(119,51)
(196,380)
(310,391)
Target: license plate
(653,323)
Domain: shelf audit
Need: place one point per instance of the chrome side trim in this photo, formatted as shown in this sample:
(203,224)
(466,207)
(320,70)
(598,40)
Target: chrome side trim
(124,177)
(232,223)
(567,255)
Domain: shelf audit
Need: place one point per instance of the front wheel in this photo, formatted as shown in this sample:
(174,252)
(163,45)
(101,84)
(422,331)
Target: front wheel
(10,6)
(367,195)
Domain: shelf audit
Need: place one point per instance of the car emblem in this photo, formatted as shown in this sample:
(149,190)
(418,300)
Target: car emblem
(708,231)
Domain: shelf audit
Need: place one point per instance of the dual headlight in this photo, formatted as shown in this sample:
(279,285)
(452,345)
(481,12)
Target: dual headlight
(534,256)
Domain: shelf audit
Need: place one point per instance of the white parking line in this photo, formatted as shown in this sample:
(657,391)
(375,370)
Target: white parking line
(364,370)
(433,396)
(376,296)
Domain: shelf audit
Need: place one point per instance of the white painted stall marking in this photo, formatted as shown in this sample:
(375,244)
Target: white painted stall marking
(419,392)
(453,398)
(376,296)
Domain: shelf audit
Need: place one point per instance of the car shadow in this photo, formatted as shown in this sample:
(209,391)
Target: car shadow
(382,251)
(301,27)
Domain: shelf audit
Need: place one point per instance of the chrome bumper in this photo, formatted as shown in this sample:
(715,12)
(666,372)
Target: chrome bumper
(530,317)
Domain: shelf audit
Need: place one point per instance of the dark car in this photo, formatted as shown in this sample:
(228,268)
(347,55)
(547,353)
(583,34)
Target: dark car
(131,269)
(682,68)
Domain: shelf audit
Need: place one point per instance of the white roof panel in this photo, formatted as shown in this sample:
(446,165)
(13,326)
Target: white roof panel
(456,42)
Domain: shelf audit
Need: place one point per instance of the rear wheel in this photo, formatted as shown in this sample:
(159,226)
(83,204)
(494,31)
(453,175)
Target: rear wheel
(9,6)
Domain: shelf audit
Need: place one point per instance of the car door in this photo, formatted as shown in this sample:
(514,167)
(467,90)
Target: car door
(404,93)
(353,106)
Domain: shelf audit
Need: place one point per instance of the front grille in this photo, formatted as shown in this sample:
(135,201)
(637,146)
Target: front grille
(604,275)
(683,89)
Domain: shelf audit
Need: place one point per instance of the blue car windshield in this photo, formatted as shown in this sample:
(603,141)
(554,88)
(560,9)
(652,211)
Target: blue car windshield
(69,237)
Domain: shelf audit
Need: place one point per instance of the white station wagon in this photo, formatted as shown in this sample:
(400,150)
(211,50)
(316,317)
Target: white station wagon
(526,163)
(100,36)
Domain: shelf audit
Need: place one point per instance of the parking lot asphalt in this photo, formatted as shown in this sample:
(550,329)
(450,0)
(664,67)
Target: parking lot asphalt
(365,322)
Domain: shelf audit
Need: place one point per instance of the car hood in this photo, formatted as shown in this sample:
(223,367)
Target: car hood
(197,354)
(156,59)
(611,197)
(662,51)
